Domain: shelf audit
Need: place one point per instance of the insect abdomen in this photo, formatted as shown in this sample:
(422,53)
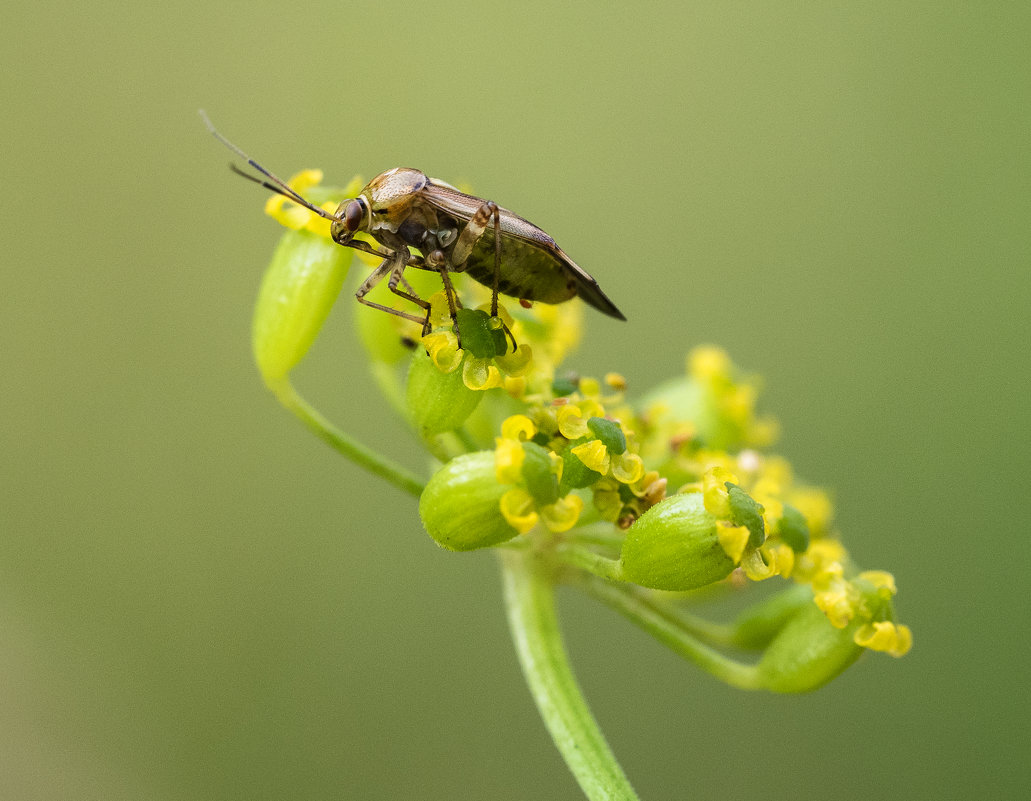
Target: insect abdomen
(527,272)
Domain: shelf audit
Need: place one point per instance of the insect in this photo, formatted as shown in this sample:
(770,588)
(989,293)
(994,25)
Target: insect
(404,209)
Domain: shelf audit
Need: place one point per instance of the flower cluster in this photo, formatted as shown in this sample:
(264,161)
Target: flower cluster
(655,496)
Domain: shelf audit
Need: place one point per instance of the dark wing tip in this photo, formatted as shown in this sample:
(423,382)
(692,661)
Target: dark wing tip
(593,296)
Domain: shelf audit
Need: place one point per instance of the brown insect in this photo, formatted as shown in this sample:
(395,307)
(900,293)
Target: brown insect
(404,209)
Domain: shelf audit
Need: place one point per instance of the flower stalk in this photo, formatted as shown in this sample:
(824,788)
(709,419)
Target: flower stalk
(530,603)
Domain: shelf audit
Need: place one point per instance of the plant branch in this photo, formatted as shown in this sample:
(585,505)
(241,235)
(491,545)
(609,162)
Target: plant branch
(530,603)
(361,455)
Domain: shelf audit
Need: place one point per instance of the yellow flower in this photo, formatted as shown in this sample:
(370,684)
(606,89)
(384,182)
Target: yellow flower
(733,540)
(295,216)
(443,349)
(518,427)
(563,514)
(508,460)
(594,455)
(572,424)
(480,373)
(518,509)
(627,468)
(885,636)
(715,493)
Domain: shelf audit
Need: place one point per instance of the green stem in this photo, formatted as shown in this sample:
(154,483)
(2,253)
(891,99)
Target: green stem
(530,602)
(669,629)
(361,455)
(586,559)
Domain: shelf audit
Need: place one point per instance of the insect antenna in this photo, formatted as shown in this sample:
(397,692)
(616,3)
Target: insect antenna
(274,184)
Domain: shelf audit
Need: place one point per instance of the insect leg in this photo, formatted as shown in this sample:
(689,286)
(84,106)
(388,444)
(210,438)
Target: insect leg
(396,276)
(470,235)
(472,232)
(389,265)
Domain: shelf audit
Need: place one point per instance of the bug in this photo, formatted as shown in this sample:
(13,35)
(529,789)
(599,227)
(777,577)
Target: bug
(404,209)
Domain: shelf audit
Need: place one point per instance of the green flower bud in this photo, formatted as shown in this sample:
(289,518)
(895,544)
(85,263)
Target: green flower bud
(674,546)
(794,529)
(610,433)
(481,336)
(437,401)
(807,653)
(746,512)
(539,474)
(299,288)
(460,505)
(575,474)
(757,626)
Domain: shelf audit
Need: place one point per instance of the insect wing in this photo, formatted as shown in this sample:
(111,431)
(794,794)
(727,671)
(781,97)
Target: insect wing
(542,272)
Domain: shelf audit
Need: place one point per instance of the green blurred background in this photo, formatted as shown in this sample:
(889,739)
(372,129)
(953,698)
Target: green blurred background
(198,600)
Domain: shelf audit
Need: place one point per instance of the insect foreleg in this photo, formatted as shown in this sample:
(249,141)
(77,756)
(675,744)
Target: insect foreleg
(393,264)
(397,276)
(365,247)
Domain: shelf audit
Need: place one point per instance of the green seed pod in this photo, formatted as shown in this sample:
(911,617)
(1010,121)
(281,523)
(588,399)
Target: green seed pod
(756,627)
(674,546)
(460,505)
(437,401)
(807,653)
(298,290)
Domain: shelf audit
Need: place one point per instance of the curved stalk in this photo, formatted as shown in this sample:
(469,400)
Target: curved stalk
(361,455)
(671,630)
(530,603)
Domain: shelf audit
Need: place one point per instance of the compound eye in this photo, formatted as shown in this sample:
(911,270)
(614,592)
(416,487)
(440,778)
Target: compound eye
(353,215)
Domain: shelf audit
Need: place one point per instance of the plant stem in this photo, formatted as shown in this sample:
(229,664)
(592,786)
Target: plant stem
(586,559)
(361,455)
(530,603)
(670,629)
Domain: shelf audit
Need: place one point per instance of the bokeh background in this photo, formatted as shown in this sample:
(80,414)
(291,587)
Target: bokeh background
(200,601)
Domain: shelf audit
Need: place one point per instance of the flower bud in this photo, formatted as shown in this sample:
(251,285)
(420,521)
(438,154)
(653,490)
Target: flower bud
(437,401)
(460,507)
(807,653)
(298,289)
(674,546)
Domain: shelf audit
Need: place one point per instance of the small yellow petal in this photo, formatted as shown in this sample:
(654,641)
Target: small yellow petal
(715,493)
(885,636)
(480,374)
(591,408)
(517,508)
(594,455)
(443,349)
(518,427)
(733,540)
(836,605)
(590,388)
(881,579)
(508,461)
(563,514)
(518,362)
(615,381)
(627,468)
(759,565)
(707,362)
(571,422)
